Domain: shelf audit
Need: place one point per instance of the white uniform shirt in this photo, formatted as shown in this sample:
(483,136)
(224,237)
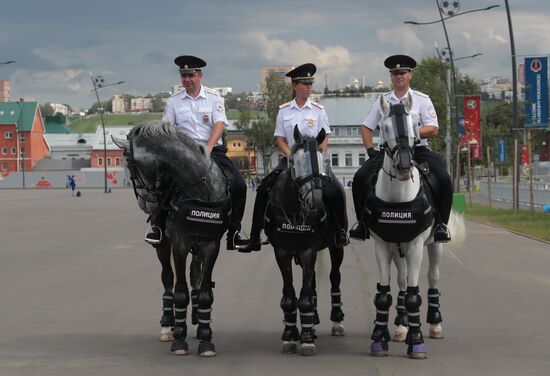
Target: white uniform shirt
(196,116)
(423,112)
(310,120)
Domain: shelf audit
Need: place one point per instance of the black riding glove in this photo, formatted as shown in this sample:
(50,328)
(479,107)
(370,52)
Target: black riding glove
(372,152)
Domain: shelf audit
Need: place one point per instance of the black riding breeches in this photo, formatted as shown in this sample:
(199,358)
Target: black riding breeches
(360,184)
(335,199)
(237,187)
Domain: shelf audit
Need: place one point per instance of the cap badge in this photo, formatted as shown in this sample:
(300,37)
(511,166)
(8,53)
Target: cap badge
(308,74)
(398,66)
(185,66)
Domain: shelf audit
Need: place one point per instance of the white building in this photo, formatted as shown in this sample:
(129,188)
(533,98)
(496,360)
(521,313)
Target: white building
(223,90)
(119,104)
(141,104)
(59,108)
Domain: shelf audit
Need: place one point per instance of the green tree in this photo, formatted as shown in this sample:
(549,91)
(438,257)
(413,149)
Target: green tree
(107,107)
(46,110)
(259,131)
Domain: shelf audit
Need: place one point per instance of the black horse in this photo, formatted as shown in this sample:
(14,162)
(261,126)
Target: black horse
(171,172)
(298,226)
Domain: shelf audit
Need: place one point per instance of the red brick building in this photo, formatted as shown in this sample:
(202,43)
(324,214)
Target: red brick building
(22,141)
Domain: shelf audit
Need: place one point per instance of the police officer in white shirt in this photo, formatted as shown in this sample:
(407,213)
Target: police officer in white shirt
(199,111)
(310,118)
(423,113)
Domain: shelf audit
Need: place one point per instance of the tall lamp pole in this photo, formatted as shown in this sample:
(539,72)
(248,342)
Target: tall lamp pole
(451,9)
(99,83)
(21,154)
(515,117)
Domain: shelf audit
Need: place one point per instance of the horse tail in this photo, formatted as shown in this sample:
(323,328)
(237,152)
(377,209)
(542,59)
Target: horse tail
(457,229)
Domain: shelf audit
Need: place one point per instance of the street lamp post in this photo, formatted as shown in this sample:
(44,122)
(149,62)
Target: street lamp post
(99,83)
(450,14)
(515,122)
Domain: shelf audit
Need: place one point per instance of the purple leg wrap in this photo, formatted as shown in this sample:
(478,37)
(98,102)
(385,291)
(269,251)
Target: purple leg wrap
(378,347)
(419,348)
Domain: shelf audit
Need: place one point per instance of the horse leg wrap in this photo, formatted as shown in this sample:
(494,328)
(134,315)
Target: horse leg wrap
(382,302)
(204,310)
(401,318)
(195,304)
(317,321)
(412,303)
(306,305)
(434,315)
(167,318)
(181,300)
(289,306)
(336,313)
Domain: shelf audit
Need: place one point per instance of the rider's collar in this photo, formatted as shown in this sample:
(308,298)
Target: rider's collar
(394,97)
(293,104)
(202,94)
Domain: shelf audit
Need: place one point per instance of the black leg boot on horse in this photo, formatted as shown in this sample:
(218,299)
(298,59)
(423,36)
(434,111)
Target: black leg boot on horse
(291,335)
(416,348)
(380,334)
(336,313)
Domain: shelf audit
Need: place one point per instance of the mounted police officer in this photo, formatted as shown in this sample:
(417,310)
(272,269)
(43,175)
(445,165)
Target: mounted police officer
(310,117)
(199,111)
(423,112)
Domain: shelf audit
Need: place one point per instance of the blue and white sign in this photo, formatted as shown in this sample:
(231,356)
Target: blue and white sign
(460,125)
(501,150)
(536,91)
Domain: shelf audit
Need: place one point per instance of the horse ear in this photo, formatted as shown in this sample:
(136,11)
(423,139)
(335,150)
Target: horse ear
(297,135)
(321,136)
(123,144)
(384,106)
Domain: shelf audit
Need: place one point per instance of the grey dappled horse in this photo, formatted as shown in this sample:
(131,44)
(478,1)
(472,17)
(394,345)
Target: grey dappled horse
(171,172)
(401,212)
(298,226)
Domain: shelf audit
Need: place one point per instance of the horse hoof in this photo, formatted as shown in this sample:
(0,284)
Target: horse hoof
(338,329)
(417,351)
(166,334)
(379,349)
(207,349)
(400,334)
(290,347)
(308,349)
(436,331)
(179,347)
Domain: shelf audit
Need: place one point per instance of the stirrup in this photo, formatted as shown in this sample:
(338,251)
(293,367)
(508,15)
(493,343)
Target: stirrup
(359,231)
(153,241)
(442,233)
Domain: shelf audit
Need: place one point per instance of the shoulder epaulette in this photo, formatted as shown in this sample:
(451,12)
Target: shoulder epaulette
(318,105)
(421,94)
(284,105)
(177,92)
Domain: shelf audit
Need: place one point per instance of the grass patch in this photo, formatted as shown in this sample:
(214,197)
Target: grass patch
(90,123)
(536,225)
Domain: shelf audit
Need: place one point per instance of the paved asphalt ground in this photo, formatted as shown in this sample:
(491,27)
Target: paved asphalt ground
(80,294)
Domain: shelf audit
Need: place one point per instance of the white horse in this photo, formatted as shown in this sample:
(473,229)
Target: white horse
(402,222)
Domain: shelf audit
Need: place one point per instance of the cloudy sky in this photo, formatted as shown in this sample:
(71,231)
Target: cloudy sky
(56,43)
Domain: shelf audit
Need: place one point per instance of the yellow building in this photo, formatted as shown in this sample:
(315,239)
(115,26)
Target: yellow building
(242,154)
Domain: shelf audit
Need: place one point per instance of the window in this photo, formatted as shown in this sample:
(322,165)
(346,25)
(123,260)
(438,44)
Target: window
(8,134)
(348,159)
(22,152)
(108,161)
(22,137)
(334,159)
(100,161)
(4,151)
(4,166)
(337,131)
(14,151)
(362,158)
(117,161)
(356,131)
(348,131)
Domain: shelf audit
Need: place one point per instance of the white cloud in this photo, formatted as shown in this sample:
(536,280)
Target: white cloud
(400,36)
(276,51)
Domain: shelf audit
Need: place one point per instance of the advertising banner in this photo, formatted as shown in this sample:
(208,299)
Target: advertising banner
(536,91)
(472,125)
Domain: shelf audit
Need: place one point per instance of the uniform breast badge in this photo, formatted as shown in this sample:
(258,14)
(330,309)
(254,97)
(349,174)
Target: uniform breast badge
(206,118)
(310,122)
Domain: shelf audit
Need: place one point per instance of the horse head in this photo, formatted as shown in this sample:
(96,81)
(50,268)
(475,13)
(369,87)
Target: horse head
(308,169)
(400,135)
